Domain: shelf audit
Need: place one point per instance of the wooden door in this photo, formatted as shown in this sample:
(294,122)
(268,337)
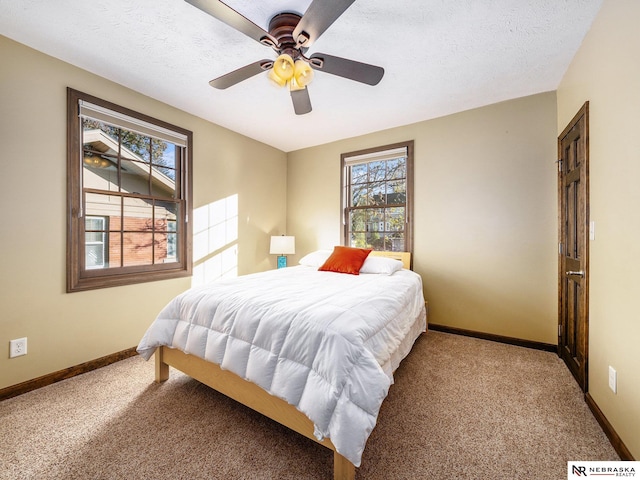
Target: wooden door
(573,248)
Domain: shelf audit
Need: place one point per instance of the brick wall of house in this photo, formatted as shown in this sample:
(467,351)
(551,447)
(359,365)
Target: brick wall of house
(140,242)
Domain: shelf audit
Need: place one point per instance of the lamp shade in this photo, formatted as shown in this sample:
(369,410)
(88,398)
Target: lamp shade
(303,73)
(275,79)
(283,66)
(283,245)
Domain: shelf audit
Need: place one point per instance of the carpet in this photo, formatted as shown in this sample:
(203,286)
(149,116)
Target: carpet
(460,408)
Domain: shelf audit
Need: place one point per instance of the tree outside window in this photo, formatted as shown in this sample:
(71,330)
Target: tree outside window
(376,192)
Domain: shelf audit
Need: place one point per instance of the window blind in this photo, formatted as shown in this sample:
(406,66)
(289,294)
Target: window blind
(101,114)
(376,156)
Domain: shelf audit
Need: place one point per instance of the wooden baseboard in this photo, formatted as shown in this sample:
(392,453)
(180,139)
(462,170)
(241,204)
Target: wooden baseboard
(617,443)
(547,347)
(54,377)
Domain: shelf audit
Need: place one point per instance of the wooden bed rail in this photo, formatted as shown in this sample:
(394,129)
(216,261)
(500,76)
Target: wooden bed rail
(250,395)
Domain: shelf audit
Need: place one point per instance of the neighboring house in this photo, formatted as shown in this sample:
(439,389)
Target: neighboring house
(133,233)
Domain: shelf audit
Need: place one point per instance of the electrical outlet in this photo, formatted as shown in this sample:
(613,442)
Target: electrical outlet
(613,379)
(18,347)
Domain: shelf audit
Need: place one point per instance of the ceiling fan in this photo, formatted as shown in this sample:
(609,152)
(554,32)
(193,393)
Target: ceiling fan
(290,35)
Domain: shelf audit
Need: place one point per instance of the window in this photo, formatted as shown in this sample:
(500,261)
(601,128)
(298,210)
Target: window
(96,240)
(129,185)
(377,190)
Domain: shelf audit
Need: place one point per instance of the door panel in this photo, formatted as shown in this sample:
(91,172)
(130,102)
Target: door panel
(573,274)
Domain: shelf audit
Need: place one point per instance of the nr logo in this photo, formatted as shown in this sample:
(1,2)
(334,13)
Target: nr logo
(579,470)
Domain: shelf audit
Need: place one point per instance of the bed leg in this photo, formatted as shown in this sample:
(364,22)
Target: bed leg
(343,469)
(162,369)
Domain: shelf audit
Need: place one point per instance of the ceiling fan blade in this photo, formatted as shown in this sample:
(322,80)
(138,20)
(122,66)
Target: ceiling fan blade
(237,76)
(301,101)
(228,15)
(318,17)
(342,67)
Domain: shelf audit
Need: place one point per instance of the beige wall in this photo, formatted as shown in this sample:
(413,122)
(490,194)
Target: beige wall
(485,213)
(606,72)
(63,329)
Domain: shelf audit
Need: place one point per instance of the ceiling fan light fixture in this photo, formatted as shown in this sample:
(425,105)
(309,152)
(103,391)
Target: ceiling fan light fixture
(276,80)
(303,74)
(283,67)
(290,35)
(94,161)
(294,85)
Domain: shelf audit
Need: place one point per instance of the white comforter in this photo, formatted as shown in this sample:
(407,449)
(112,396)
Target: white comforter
(325,342)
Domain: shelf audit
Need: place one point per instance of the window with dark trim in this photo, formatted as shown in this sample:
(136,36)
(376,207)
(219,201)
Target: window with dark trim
(129,196)
(377,197)
(96,253)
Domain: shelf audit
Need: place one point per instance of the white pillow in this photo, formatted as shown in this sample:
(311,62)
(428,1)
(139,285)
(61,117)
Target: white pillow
(381,265)
(373,264)
(315,259)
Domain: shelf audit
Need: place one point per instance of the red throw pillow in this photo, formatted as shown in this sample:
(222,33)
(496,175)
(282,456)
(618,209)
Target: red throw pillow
(345,260)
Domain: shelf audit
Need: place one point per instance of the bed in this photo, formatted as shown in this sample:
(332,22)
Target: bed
(313,350)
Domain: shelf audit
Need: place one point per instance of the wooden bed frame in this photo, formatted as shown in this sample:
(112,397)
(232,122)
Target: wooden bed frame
(252,396)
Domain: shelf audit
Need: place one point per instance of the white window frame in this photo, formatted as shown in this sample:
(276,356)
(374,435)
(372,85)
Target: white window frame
(386,152)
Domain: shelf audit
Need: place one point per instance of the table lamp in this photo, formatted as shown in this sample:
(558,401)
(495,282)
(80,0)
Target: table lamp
(282,245)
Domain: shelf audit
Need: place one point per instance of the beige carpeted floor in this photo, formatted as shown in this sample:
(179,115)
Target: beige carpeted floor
(460,408)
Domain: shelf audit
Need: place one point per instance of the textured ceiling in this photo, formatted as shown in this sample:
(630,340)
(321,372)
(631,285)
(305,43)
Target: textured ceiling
(439,56)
